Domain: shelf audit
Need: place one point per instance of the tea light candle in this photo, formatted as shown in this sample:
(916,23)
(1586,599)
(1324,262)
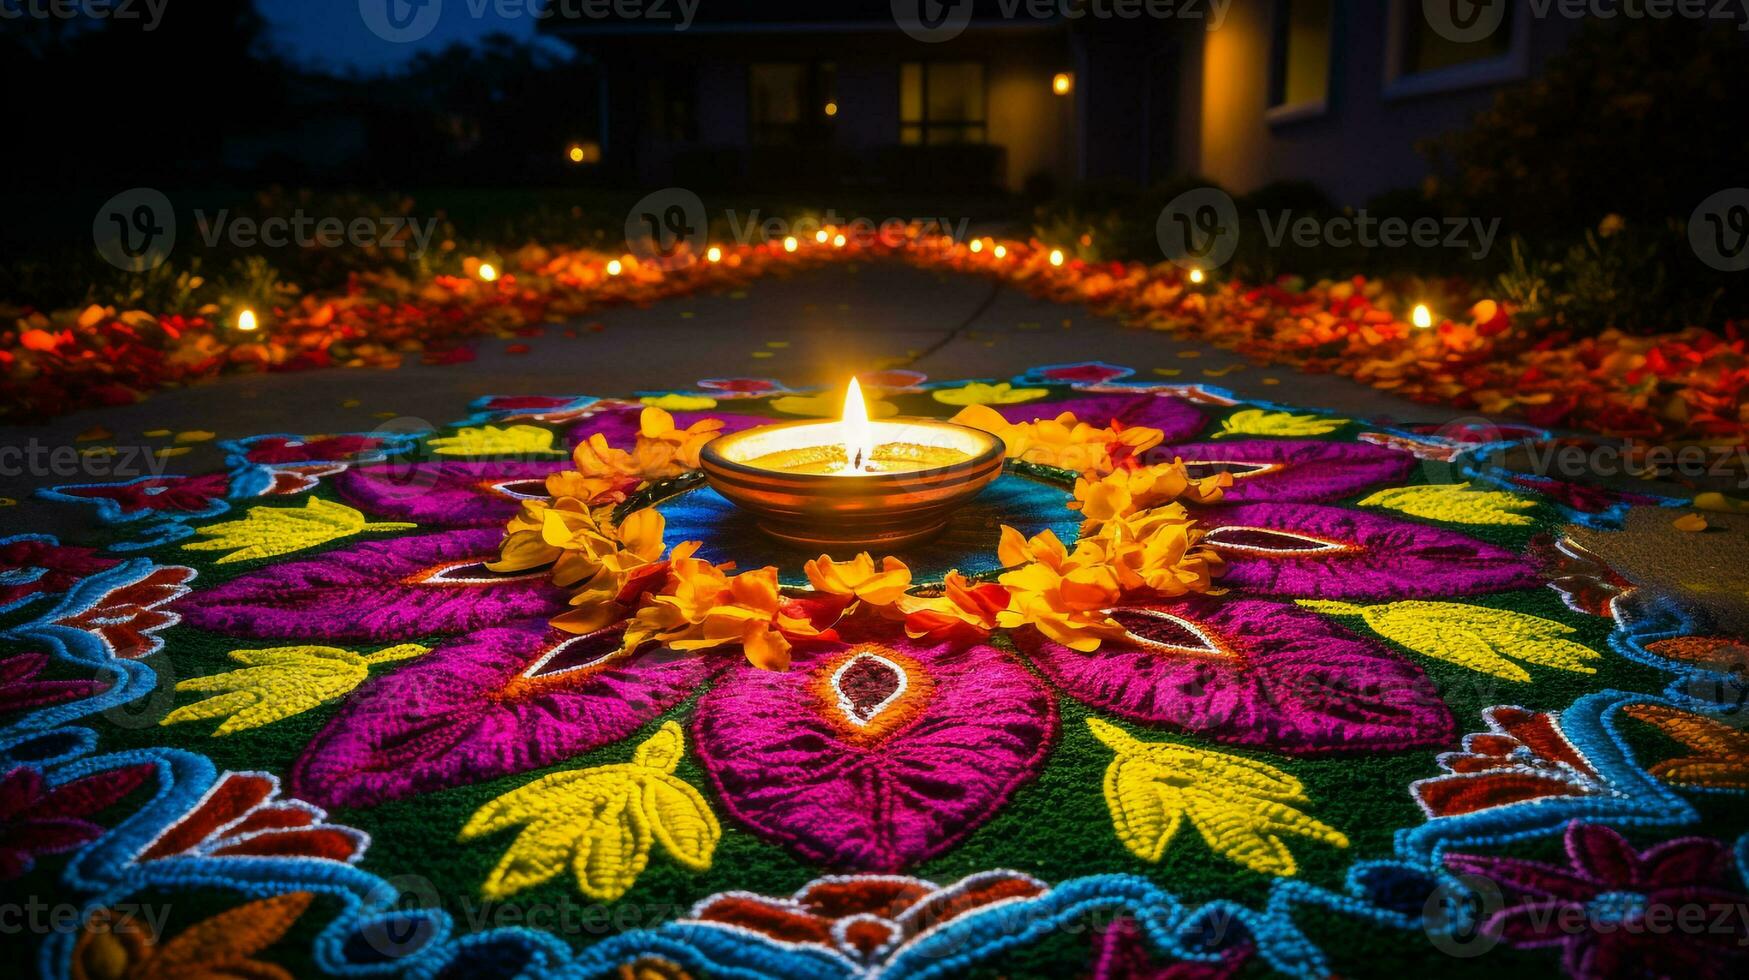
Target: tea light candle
(854,482)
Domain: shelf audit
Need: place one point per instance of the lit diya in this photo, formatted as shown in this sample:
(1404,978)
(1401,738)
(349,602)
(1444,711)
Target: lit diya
(854,483)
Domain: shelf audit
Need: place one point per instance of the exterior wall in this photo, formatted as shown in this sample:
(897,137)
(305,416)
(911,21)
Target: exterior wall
(1034,127)
(1364,142)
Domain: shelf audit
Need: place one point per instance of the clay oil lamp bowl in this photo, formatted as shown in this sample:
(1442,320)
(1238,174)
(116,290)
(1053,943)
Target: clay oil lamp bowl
(852,484)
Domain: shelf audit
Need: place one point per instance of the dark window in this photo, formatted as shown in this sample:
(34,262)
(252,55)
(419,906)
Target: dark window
(674,104)
(1299,69)
(941,102)
(1425,49)
(792,103)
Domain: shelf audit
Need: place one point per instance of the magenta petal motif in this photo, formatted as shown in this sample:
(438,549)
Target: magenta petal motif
(1251,673)
(1314,552)
(446,494)
(499,702)
(1292,469)
(1603,907)
(1175,417)
(377,591)
(876,753)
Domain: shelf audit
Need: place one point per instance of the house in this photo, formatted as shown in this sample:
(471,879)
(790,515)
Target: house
(1031,95)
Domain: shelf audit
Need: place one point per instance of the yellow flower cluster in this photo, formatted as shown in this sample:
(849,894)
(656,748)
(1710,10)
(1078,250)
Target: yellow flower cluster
(1066,594)
(1124,493)
(586,551)
(1136,540)
(603,474)
(965,608)
(1065,442)
(701,606)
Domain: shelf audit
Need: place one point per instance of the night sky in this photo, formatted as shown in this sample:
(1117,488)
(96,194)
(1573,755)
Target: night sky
(332,32)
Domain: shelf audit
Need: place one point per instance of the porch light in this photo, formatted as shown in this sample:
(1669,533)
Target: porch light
(1062,83)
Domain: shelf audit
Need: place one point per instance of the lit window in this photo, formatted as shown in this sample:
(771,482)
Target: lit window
(1299,71)
(941,102)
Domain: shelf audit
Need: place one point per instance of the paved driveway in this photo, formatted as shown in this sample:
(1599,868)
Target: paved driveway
(811,327)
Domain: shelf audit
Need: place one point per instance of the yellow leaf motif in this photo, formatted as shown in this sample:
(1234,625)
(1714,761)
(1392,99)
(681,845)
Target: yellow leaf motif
(977,393)
(1478,637)
(601,822)
(1257,422)
(491,440)
(1454,502)
(679,402)
(271,531)
(1721,753)
(279,683)
(1240,807)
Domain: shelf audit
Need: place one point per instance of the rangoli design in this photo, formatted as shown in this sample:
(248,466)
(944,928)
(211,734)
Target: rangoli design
(1197,687)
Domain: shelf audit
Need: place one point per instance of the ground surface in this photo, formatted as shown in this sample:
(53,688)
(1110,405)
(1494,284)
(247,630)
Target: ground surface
(813,328)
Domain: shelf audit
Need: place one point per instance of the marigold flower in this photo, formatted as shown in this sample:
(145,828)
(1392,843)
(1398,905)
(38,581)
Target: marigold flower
(1125,492)
(582,546)
(1065,442)
(1046,547)
(663,451)
(701,607)
(859,579)
(603,474)
(1158,551)
(1066,605)
(966,608)
(1066,594)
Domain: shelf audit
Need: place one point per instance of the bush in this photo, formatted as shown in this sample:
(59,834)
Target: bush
(1640,119)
